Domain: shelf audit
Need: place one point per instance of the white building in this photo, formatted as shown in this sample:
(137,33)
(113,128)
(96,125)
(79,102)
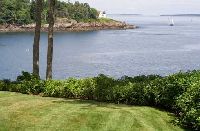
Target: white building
(102,14)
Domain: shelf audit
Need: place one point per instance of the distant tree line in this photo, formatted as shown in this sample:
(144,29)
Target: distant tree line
(15,11)
(23,11)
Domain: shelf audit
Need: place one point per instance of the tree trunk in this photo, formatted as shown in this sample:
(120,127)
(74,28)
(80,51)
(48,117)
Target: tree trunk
(37,37)
(50,40)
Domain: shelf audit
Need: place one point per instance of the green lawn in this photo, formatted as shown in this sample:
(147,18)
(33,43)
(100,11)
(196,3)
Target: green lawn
(24,112)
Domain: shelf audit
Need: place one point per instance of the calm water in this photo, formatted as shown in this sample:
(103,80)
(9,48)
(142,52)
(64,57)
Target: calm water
(154,48)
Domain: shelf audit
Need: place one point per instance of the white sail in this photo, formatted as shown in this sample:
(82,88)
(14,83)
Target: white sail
(171,22)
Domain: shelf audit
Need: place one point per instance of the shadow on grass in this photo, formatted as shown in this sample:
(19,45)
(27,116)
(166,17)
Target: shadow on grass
(89,104)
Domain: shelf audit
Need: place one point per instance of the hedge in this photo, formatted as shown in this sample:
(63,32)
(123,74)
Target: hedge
(178,93)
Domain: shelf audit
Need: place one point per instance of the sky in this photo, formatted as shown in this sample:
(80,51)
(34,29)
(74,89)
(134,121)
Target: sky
(153,7)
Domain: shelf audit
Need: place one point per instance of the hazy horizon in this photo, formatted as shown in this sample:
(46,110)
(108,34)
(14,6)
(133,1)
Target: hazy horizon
(145,7)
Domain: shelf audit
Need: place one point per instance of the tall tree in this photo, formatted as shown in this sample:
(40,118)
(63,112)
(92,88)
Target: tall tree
(36,44)
(50,39)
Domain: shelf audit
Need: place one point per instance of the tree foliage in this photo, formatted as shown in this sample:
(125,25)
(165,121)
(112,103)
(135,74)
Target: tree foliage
(15,12)
(23,11)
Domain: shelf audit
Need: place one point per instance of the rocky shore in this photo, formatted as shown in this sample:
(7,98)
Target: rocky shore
(69,26)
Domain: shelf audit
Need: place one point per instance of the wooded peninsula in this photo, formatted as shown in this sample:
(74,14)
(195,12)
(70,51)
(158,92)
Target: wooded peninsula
(19,16)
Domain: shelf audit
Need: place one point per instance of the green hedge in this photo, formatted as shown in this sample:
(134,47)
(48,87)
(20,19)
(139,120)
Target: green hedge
(179,93)
(70,88)
(189,105)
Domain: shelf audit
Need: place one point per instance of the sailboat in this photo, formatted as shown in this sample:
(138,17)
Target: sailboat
(171,22)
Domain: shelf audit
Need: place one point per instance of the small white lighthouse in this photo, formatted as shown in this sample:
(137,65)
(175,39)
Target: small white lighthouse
(102,14)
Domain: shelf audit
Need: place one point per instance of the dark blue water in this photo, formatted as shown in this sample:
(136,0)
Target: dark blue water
(154,48)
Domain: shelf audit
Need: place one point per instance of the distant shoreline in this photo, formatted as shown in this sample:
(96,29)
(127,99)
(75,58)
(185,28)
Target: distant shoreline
(197,15)
(127,14)
(70,27)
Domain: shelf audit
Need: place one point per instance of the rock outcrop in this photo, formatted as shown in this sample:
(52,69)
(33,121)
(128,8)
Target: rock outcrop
(69,25)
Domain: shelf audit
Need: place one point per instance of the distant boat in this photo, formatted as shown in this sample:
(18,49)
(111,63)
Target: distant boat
(171,22)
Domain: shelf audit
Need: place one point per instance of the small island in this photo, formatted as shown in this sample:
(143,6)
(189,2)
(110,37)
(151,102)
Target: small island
(20,17)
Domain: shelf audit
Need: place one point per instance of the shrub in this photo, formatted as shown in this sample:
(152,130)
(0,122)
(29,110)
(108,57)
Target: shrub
(164,92)
(78,88)
(139,79)
(120,93)
(132,93)
(104,88)
(136,94)
(29,84)
(54,88)
(71,88)
(88,86)
(189,105)
(5,85)
(1,85)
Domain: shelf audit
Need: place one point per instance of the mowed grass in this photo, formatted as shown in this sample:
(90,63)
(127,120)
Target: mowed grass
(25,112)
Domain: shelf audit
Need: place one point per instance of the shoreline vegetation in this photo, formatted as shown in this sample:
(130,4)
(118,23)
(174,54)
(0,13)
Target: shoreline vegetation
(65,25)
(20,16)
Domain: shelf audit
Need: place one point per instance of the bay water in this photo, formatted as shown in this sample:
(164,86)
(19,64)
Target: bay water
(153,48)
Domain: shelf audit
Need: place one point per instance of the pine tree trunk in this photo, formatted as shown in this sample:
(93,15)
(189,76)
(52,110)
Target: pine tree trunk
(50,40)
(37,37)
